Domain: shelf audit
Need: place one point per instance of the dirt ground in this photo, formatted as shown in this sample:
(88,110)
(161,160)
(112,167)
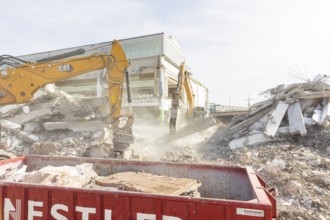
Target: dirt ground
(299,168)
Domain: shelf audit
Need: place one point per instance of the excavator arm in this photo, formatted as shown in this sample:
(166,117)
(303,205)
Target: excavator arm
(199,122)
(21,79)
(184,83)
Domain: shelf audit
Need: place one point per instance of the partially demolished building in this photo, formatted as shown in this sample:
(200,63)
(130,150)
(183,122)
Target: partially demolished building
(154,65)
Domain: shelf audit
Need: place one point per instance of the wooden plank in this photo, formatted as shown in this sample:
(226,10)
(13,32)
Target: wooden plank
(148,183)
(296,119)
(276,118)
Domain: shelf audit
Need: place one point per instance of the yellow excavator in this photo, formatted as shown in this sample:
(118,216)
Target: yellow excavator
(195,115)
(20,79)
(184,83)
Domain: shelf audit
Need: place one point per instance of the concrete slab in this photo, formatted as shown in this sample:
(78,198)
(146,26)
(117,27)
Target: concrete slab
(325,114)
(249,140)
(317,116)
(23,118)
(275,118)
(8,124)
(296,119)
(75,125)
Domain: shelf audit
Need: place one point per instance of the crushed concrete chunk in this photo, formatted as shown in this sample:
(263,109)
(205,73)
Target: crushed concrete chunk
(278,163)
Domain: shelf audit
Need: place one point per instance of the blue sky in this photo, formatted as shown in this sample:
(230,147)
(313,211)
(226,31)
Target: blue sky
(237,48)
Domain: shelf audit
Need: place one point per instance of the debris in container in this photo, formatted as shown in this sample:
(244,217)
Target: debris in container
(70,176)
(84,176)
(150,183)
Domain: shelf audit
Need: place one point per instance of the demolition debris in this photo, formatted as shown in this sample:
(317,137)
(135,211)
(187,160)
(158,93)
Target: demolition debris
(285,138)
(291,111)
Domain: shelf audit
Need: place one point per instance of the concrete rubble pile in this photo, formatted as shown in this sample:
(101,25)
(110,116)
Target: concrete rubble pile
(56,123)
(286,139)
(292,111)
(299,171)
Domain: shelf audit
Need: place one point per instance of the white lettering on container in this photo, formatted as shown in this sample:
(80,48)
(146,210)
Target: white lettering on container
(143,216)
(12,212)
(85,211)
(166,217)
(57,215)
(107,214)
(33,213)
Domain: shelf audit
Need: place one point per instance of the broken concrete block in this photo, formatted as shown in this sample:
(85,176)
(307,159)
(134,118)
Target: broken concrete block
(75,125)
(296,119)
(308,103)
(315,95)
(278,163)
(309,121)
(44,148)
(317,116)
(292,186)
(23,118)
(283,131)
(32,127)
(260,124)
(30,138)
(78,176)
(325,114)
(26,109)
(275,119)
(249,141)
(9,110)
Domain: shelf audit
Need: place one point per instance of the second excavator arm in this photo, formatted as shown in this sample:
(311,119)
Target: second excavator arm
(184,83)
(21,79)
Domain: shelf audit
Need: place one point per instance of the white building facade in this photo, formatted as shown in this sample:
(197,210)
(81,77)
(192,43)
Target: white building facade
(154,65)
